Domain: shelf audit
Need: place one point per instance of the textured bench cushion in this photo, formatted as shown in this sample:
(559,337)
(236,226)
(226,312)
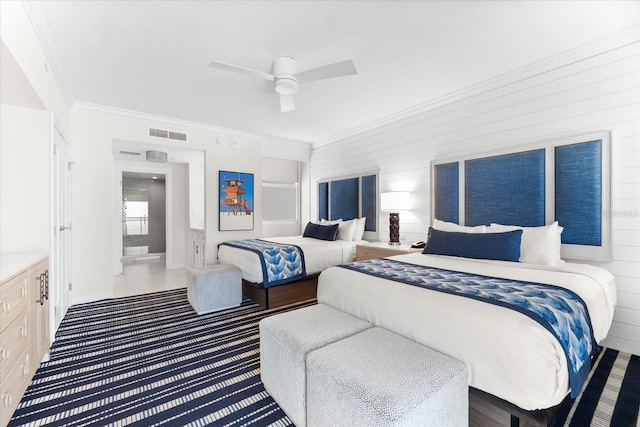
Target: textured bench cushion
(378,378)
(214,288)
(285,340)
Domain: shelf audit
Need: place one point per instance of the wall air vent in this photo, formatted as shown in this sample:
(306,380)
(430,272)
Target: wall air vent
(130,153)
(178,136)
(167,134)
(159,133)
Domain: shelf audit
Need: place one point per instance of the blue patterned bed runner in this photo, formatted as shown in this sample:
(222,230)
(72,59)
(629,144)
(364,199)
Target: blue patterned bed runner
(560,311)
(280,263)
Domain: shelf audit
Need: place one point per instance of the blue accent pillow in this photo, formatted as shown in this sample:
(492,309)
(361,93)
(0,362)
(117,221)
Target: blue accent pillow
(498,246)
(321,232)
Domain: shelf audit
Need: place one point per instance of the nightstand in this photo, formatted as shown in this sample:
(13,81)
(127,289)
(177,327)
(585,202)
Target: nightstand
(380,250)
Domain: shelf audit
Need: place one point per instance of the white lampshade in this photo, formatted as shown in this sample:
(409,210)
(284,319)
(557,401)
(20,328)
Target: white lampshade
(393,201)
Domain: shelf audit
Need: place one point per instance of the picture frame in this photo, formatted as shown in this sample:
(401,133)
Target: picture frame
(235,201)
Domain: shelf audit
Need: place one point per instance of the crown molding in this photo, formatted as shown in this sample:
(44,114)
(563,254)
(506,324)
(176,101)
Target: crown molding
(146,117)
(42,29)
(606,44)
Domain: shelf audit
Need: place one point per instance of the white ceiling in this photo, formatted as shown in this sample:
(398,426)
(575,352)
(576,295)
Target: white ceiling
(153,56)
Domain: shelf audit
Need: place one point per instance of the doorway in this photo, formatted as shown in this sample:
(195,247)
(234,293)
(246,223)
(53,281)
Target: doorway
(60,259)
(143,215)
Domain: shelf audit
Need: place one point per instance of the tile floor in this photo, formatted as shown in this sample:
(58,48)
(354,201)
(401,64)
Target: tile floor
(143,275)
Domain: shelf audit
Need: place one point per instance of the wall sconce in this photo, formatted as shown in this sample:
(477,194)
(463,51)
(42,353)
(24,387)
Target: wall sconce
(392,202)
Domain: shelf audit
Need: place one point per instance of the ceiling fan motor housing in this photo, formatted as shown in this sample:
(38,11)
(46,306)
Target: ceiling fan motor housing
(284,70)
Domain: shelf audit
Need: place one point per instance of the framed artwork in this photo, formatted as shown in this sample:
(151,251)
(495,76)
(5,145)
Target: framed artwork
(235,201)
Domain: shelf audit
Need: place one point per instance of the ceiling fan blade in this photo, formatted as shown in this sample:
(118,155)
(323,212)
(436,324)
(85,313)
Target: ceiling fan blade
(339,69)
(249,71)
(287,103)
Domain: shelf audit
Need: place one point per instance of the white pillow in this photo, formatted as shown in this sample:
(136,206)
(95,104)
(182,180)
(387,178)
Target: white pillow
(345,228)
(358,233)
(327,222)
(539,245)
(452,226)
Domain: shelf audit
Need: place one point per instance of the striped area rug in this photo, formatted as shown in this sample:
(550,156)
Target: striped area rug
(150,360)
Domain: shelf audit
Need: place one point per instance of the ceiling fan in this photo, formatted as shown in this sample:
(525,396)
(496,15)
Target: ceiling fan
(286,78)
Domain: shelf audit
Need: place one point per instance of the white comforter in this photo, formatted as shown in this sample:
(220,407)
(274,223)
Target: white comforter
(318,255)
(508,354)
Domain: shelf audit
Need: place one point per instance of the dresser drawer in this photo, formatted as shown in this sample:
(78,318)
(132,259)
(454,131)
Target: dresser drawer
(13,386)
(13,298)
(14,339)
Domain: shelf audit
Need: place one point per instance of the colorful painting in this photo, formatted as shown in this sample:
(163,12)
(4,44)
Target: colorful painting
(236,201)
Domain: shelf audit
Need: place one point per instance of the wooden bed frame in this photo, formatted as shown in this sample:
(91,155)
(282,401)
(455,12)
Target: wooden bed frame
(538,418)
(276,296)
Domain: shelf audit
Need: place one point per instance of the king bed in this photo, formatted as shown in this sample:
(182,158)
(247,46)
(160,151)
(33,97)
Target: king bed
(515,357)
(499,297)
(508,354)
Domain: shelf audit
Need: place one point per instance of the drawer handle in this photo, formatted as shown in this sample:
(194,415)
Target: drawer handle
(6,399)
(23,331)
(25,370)
(6,307)
(23,291)
(4,353)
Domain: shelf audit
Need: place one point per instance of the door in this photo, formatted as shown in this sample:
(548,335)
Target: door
(60,268)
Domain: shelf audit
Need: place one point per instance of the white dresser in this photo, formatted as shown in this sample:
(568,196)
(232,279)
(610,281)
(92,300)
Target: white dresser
(24,325)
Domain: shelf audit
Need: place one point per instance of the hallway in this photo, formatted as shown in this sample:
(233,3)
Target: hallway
(143,275)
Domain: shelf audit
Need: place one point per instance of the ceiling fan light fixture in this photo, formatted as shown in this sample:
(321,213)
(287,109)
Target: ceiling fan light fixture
(285,77)
(285,85)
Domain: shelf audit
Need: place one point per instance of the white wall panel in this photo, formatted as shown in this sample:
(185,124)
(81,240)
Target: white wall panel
(598,93)
(25,147)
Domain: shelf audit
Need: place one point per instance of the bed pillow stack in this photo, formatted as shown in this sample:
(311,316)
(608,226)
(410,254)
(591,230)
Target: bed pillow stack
(538,245)
(352,229)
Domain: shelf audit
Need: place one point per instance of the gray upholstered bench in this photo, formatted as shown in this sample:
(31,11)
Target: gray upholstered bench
(285,340)
(378,378)
(214,288)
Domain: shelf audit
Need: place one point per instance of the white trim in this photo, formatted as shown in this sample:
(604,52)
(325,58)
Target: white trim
(116,217)
(181,124)
(582,53)
(91,298)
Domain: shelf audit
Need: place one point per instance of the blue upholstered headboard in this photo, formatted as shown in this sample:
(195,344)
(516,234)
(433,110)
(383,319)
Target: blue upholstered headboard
(348,198)
(564,180)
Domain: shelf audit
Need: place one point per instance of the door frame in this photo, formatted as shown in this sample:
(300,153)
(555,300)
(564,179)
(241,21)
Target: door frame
(60,274)
(117,212)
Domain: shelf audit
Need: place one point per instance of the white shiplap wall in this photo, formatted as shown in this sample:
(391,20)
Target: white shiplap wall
(598,91)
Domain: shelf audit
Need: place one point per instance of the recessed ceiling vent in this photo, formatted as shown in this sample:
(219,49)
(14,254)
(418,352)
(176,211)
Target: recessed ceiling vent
(159,133)
(156,156)
(167,134)
(178,136)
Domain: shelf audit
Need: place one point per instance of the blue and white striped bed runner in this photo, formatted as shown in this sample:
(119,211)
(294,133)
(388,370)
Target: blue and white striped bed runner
(562,312)
(281,263)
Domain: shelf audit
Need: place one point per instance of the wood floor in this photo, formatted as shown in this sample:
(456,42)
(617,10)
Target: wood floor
(141,276)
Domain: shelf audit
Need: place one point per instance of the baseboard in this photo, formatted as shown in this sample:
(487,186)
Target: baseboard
(91,298)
